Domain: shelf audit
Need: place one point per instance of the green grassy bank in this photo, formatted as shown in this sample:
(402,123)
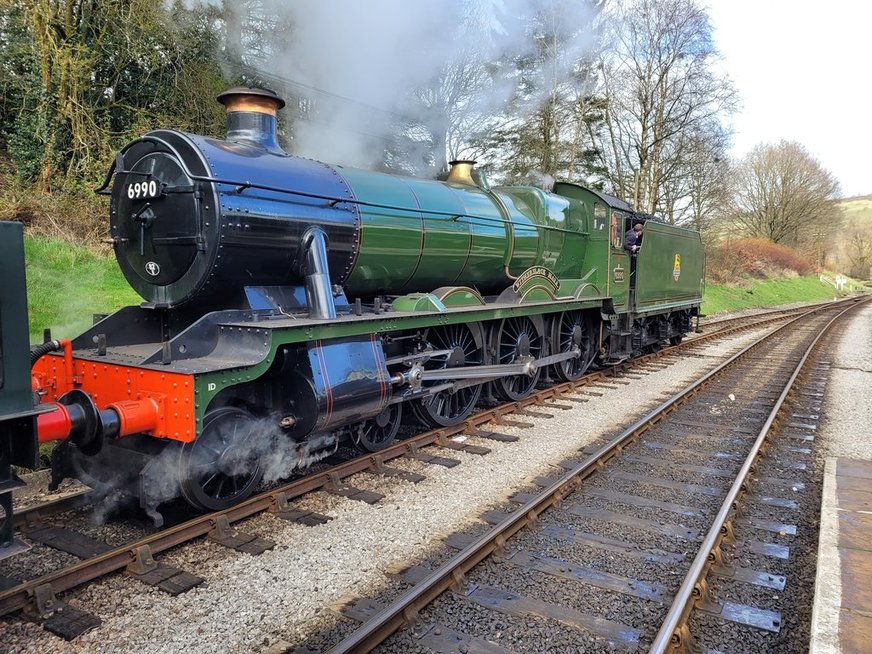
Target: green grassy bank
(66,285)
(719,298)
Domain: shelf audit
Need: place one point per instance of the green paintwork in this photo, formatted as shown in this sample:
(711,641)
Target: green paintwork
(390,239)
(283,332)
(17,414)
(661,282)
(579,288)
(417,302)
(467,235)
(604,266)
(459,296)
(15,391)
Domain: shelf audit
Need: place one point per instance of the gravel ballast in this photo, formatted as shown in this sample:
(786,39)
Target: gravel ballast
(251,603)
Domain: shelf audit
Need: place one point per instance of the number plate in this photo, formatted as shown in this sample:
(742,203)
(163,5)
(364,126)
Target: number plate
(143,190)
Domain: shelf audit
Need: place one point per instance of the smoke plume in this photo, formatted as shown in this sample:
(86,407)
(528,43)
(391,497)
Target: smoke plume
(369,83)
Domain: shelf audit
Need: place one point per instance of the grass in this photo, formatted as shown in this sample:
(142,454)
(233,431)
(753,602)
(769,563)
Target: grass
(719,298)
(66,285)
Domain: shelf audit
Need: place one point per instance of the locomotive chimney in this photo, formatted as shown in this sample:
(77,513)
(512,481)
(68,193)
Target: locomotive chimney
(251,116)
(461,172)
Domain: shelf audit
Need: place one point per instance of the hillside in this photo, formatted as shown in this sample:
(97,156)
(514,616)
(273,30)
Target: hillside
(850,251)
(68,284)
(857,208)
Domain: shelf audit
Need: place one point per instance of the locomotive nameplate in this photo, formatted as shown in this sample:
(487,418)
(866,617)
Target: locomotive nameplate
(536,272)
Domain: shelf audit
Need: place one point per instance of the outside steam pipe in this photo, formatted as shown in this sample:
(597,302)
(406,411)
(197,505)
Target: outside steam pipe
(319,293)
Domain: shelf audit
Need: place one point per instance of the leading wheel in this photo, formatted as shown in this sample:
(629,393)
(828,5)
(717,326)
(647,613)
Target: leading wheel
(453,406)
(220,468)
(379,432)
(571,330)
(513,339)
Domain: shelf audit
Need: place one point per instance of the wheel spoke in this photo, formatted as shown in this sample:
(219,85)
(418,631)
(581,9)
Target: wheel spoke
(515,336)
(573,331)
(206,483)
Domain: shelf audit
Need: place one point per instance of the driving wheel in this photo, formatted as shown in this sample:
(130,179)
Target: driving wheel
(452,406)
(379,432)
(571,330)
(220,468)
(514,339)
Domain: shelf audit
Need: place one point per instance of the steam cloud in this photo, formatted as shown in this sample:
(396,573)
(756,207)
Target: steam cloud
(265,445)
(360,70)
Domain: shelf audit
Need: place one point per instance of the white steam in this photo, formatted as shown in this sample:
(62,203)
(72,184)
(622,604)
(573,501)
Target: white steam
(214,465)
(391,81)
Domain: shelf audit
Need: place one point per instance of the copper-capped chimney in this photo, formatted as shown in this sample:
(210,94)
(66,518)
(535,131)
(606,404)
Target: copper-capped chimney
(251,116)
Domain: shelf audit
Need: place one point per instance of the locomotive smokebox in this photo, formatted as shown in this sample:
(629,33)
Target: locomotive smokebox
(251,116)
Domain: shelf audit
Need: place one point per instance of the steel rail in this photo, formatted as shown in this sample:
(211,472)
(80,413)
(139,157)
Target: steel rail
(22,595)
(404,608)
(34,512)
(776,314)
(673,635)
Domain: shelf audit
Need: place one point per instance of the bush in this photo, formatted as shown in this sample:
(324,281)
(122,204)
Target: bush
(75,215)
(753,258)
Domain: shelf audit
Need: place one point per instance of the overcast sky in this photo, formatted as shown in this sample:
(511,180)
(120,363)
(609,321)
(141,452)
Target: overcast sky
(804,71)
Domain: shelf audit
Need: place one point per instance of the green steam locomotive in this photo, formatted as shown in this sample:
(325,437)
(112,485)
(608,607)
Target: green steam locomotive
(322,304)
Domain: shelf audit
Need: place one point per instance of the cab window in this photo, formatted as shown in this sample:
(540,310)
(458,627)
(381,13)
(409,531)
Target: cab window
(617,235)
(599,217)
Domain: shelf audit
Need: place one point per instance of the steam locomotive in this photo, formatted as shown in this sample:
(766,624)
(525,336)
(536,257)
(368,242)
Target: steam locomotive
(290,306)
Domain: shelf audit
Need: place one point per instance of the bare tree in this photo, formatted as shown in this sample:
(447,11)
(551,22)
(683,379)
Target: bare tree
(545,126)
(663,95)
(859,253)
(695,191)
(782,193)
(450,106)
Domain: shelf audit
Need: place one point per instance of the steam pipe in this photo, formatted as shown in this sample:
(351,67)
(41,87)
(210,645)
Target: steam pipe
(319,294)
(37,351)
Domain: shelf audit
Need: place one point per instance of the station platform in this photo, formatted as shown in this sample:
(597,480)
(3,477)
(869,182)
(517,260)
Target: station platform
(842,615)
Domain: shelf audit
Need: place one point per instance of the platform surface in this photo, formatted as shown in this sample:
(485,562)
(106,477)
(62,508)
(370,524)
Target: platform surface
(842,617)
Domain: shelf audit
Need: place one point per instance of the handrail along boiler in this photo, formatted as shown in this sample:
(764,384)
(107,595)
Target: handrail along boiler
(290,305)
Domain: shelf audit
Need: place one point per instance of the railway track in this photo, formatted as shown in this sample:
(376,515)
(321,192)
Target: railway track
(543,577)
(40,595)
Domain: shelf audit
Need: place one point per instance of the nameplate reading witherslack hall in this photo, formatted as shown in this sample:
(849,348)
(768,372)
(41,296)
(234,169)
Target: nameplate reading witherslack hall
(536,272)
